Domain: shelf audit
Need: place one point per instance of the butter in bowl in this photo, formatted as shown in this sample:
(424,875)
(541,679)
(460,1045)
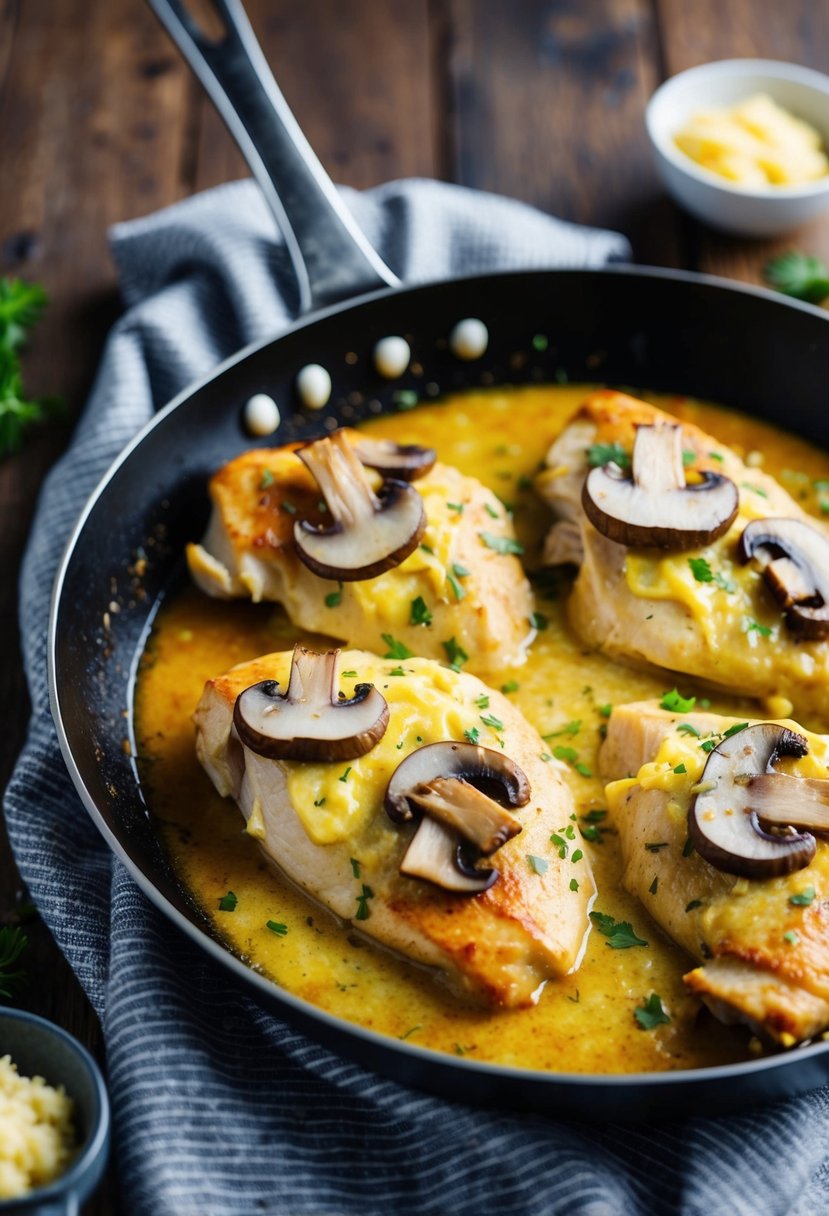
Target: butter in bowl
(742,144)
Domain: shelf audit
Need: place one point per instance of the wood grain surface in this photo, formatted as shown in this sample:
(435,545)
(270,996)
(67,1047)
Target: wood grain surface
(539,99)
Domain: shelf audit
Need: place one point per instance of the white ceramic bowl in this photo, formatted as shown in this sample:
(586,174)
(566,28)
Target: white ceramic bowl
(747,211)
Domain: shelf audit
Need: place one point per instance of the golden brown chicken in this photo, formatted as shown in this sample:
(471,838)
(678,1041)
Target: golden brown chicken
(513,916)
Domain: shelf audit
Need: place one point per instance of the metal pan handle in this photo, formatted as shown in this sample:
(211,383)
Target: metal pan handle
(332,258)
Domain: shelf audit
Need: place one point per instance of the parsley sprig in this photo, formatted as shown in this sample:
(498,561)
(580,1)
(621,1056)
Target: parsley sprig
(799,275)
(13,941)
(619,933)
(21,305)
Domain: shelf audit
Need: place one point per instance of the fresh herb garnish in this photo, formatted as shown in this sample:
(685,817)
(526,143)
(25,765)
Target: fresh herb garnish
(490,510)
(288,508)
(267,479)
(355,867)
(510,686)
(675,703)
(652,1013)
(13,941)
(277,927)
(491,720)
(420,614)
(456,656)
(482,702)
(680,768)
(803,898)
(799,275)
(228,902)
(344,776)
(539,621)
(456,506)
(501,544)
(600,454)
(791,937)
(685,728)
(735,729)
(619,933)
(472,735)
(568,754)
(755,627)
(362,903)
(574,884)
(701,570)
(569,728)
(538,865)
(396,650)
(334,598)
(21,305)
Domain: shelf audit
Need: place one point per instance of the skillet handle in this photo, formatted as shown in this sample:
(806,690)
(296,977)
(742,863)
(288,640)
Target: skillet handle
(331,257)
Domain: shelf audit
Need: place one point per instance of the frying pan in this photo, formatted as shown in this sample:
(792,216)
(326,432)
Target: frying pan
(650,328)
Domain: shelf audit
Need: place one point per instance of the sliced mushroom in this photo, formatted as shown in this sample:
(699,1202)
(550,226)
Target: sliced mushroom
(371,532)
(465,810)
(436,856)
(405,461)
(794,560)
(724,818)
(655,507)
(309,721)
(461,791)
(491,772)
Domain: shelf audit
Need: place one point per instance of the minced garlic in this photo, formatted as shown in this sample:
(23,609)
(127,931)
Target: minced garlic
(754,143)
(36,1132)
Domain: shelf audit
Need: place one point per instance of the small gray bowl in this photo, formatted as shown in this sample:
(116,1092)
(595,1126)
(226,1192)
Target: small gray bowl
(39,1048)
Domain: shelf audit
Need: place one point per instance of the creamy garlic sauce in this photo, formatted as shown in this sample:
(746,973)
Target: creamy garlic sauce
(585,1023)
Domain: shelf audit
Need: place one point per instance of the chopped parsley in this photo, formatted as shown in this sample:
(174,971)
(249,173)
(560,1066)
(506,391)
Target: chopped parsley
(582,768)
(456,506)
(459,591)
(568,754)
(267,479)
(652,1013)
(561,844)
(619,934)
(420,614)
(348,674)
(745,485)
(362,903)
(395,671)
(344,776)
(483,702)
(680,768)
(288,508)
(803,898)
(334,598)
(490,510)
(538,865)
(319,801)
(277,927)
(459,571)
(755,627)
(574,884)
(791,937)
(685,728)
(701,570)
(396,650)
(456,656)
(600,454)
(675,703)
(228,902)
(491,720)
(501,544)
(695,903)
(355,867)
(472,735)
(577,856)
(539,621)
(510,686)
(735,729)
(571,728)
(606,710)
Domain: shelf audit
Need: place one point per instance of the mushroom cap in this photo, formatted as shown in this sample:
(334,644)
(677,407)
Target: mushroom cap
(794,560)
(309,721)
(722,822)
(654,507)
(403,461)
(370,533)
(491,772)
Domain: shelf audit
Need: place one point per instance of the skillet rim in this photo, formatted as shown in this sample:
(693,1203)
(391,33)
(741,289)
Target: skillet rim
(372,1043)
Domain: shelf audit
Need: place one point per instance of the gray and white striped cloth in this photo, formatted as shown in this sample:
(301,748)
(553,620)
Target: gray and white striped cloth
(219,1107)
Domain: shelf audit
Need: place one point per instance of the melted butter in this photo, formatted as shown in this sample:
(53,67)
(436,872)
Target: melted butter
(584,1023)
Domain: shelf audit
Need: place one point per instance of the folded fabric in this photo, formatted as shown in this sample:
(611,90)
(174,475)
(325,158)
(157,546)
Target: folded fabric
(219,1107)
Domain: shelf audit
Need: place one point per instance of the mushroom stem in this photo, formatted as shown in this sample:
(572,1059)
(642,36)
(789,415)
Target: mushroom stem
(433,856)
(655,507)
(799,802)
(793,558)
(371,532)
(310,722)
(467,811)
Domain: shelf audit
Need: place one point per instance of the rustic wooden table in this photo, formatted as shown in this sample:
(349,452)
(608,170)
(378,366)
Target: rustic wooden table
(539,99)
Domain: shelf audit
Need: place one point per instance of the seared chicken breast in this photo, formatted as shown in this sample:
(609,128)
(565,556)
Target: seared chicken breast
(461,589)
(323,824)
(706,610)
(762,944)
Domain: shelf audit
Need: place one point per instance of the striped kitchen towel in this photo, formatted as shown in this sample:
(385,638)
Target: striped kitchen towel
(220,1108)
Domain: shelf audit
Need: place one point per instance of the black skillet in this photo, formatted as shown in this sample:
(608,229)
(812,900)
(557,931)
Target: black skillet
(648,328)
